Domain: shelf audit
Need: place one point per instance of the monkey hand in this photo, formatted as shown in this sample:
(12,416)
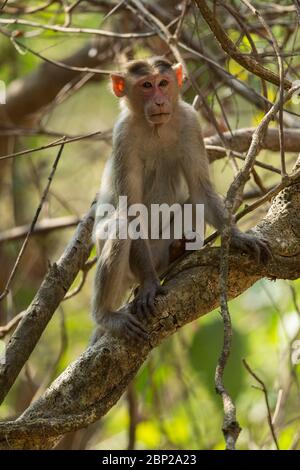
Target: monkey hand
(257,247)
(143,303)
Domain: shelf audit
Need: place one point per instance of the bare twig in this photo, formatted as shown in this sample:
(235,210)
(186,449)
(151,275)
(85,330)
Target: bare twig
(113,10)
(288,180)
(32,225)
(231,427)
(161,30)
(281,76)
(230,48)
(3,4)
(133,415)
(185,7)
(215,152)
(263,388)
(4,330)
(51,61)
(297,6)
(42,227)
(41,131)
(55,143)
(72,30)
(85,270)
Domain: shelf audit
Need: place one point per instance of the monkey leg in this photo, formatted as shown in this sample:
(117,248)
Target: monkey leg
(160,250)
(167,250)
(112,280)
(144,270)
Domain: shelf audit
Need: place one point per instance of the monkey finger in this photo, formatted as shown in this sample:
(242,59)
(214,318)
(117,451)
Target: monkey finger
(130,335)
(150,304)
(262,252)
(266,253)
(131,320)
(139,307)
(133,307)
(254,249)
(145,305)
(162,290)
(137,331)
(250,246)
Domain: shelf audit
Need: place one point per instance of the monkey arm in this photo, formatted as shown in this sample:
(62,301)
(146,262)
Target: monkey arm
(196,172)
(201,191)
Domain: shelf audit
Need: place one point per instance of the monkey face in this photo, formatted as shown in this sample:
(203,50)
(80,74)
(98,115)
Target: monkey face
(150,91)
(159,93)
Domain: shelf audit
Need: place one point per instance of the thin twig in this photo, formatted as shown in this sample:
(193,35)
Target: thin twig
(3,4)
(5,329)
(42,227)
(40,131)
(161,30)
(181,19)
(215,152)
(231,427)
(281,77)
(72,30)
(230,48)
(133,415)
(265,392)
(32,225)
(57,63)
(85,270)
(55,143)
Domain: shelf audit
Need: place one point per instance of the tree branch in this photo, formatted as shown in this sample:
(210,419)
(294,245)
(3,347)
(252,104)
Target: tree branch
(230,48)
(90,386)
(52,291)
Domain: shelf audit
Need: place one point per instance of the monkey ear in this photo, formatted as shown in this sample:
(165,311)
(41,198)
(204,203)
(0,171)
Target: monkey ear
(118,85)
(179,74)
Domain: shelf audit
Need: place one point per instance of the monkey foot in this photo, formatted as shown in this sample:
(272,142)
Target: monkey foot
(256,247)
(124,324)
(143,304)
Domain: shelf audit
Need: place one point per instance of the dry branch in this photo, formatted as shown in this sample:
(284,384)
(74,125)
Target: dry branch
(231,49)
(91,385)
(52,291)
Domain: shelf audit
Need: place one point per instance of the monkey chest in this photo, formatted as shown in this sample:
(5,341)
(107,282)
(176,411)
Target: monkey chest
(163,180)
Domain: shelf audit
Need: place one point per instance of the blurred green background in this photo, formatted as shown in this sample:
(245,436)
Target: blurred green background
(173,396)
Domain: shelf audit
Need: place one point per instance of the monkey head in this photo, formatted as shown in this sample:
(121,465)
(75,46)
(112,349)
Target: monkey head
(150,87)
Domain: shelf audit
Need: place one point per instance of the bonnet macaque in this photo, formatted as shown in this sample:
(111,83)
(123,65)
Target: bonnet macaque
(158,156)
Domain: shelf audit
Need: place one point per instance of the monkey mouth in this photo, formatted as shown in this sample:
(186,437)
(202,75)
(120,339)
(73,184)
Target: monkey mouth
(160,114)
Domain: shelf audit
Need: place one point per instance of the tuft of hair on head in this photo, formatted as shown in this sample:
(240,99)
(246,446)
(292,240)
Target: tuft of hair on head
(138,67)
(160,63)
(148,66)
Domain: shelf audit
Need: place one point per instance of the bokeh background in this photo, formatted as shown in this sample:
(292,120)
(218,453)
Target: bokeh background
(172,403)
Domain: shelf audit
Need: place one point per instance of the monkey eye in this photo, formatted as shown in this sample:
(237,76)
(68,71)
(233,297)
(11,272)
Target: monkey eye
(147,85)
(163,83)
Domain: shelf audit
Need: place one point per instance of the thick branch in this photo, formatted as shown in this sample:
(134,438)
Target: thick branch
(52,291)
(91,385)
(240,140)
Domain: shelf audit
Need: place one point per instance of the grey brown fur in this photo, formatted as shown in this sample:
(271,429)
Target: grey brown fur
(149,164)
